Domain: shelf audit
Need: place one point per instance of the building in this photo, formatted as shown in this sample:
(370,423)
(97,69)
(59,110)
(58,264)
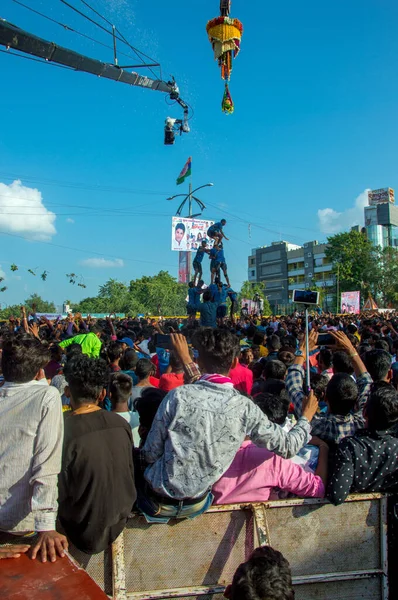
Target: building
(381,218)
(284,267)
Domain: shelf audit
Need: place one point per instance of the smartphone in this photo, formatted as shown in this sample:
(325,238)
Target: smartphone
(306,297)
(326,339)
(163,341)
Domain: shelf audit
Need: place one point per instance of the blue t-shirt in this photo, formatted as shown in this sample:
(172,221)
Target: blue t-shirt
(220,256)
(208,314)
(192,296)
(233,296)
(222,295)
(198,293)
(199,255)
(213,253)
(213,289)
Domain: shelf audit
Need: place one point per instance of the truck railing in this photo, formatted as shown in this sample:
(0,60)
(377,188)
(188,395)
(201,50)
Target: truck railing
(334,552)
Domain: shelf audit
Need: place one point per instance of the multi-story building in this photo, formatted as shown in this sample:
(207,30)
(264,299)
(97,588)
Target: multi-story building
(284,267)
(381,218)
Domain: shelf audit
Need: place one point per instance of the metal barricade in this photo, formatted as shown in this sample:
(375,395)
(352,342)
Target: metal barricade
(336,553)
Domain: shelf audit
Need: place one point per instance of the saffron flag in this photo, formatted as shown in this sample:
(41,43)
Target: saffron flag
(186,172)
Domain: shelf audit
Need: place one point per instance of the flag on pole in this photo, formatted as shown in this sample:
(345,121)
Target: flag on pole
(186,172)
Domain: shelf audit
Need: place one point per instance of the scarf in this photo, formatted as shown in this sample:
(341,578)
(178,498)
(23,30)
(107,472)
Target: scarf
(219,379)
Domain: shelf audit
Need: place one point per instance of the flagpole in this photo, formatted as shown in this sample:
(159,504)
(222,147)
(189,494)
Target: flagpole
(190,215)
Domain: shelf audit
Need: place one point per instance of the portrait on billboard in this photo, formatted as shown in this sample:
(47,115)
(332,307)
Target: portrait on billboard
(350,303)
(187,234)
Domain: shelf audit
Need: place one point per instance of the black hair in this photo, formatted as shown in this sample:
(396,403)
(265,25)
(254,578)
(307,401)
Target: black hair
(274,343)
(180,226)
(385,344)
(73,349)
(342,394)
(129,360)
(326,356)
(265,576)
(207,296)
(217,349)
(114,351)
(258,338)
(223,221)
(378,363)
(275,407)
(275,369)
(147,405)
(56,352)
(275,386)
(86,377)
(342,363)
(319,383)
(96,329)
(22,358)
(382,407)
(144,369)
(286,357)
(120,387)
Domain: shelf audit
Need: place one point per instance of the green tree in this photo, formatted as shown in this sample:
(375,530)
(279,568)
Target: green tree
(355,261)
(14,310)
(142,296)
(249,290)
(161,290)
(386,285)
(42,306)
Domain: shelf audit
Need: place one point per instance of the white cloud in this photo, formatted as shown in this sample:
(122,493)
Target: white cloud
(102,263)
(70,221)
(22,211)
(2,274)
(331,221)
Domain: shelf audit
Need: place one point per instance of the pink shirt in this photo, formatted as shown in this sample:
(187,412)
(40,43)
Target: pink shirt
(256,471)
(242,378)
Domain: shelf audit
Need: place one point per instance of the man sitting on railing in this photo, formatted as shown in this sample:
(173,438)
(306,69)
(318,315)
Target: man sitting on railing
(199,428)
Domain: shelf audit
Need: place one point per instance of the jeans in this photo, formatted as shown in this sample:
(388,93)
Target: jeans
(155,512)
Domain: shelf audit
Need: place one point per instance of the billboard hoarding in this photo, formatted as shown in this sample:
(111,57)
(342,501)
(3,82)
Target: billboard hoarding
(381,196)
(187,234)
(351,303)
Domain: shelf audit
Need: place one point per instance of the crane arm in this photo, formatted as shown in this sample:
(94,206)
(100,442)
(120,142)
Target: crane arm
(12,36)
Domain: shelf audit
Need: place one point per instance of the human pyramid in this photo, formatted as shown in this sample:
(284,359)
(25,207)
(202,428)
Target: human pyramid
(218,292)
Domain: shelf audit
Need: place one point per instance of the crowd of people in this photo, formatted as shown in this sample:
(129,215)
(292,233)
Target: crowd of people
(173,416)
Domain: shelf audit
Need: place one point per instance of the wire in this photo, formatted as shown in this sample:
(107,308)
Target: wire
(96,12)
(81,186)
(138,52)
(38,60)
(68,28)
(101,254)
(120,37)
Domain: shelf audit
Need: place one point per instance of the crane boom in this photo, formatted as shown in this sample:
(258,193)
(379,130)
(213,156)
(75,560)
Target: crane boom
(13,37)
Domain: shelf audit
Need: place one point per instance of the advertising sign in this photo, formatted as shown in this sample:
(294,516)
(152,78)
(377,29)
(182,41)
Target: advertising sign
(187,234)
(351,303)
(381,196)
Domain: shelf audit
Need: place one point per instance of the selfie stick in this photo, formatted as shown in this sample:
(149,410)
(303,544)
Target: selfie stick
(307,349)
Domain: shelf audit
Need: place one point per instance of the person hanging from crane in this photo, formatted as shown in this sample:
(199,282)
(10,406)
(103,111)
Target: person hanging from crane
(216,233)
(225,8)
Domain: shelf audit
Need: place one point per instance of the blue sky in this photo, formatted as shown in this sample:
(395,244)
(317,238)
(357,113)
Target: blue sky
(315,124)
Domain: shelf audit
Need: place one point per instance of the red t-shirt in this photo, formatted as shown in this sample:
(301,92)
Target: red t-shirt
(242,378)
(154,381)
(170,381)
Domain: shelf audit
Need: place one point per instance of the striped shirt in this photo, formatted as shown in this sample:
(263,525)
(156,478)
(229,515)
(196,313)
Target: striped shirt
(31,436)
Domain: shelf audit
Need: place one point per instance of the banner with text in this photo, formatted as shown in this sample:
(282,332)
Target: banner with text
(351,303)
(188,234)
